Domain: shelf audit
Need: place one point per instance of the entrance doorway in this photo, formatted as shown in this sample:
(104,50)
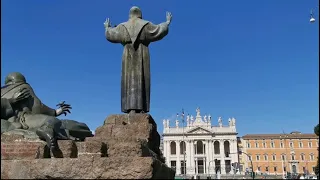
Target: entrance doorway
(294,169)
(200,166)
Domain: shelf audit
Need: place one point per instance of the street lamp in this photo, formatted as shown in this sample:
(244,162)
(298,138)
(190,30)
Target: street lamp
(240,152)
(183,145)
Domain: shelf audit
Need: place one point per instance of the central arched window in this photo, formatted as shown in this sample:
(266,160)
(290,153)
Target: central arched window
(216,145)
(199,147)
(173,147)
(182,147)
(226,146)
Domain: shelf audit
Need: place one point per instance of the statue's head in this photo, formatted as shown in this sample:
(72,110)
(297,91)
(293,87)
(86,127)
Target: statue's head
(15,77)
(135,12)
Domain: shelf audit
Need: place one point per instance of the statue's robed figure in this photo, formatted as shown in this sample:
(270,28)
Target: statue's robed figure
(135,35)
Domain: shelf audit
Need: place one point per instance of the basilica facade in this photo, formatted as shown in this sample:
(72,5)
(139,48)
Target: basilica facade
(199,146)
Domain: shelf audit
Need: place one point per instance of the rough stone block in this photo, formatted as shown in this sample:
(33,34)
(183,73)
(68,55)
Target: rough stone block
(128,128)
(92,147)
(67,149)
(128,149)
(125,147)
(23,149)
(86,168)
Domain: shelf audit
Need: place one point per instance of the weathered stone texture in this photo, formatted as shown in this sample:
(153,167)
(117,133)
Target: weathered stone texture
(125,147)
(17,147)
(85,168)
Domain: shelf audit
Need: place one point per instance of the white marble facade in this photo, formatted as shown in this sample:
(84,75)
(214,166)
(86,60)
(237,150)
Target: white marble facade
(205,145)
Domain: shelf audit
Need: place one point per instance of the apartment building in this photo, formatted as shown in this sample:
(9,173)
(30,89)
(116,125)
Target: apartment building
(280,153)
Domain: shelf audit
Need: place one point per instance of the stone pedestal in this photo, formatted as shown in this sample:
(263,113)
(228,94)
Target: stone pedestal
(125,147)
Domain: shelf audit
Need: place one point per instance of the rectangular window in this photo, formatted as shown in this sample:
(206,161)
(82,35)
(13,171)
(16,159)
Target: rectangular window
(273,157)
(258,158)
(200,166)
(248,145)
(241,168)
(259,168)
(300,145)
(284,169)
(183,167)
(292,157)
(310,144)
(302,157)
(264,145)
(281,144)
(283,157)
(267,168)
(311,157)
(272,144)
(173,165)
(266,157)
(249,157)
(257,145)
(291,144)
(275,169)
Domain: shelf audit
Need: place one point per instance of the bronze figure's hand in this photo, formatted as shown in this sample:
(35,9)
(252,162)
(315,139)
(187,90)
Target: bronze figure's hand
(169,17)
(20,95)
(107,23)
(63,109)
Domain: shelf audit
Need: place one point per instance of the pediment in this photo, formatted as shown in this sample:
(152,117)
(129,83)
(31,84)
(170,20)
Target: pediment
(198,130)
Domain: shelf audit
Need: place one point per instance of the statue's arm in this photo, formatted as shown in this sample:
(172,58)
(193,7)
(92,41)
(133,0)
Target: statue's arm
(156,32)
(115,34)
(6,109)
(38,107)
(47,110)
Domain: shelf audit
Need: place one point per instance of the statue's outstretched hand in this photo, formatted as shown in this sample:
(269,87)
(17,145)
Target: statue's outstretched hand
(107,23)
(22,94)
(63,108)
(169,17)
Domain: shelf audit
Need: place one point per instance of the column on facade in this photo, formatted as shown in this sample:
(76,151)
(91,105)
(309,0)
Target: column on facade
(207,156)
(188,154)
(192,157)
(178,164)
(165,150)
(234,150)
(168,153)
(222,161)
(233,153)
(211,157)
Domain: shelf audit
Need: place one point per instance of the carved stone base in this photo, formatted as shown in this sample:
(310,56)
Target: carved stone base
(125,147)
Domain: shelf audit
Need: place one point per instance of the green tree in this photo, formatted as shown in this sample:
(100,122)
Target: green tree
(316,131)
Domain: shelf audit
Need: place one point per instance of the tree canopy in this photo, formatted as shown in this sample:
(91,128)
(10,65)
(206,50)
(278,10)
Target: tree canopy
(316,130)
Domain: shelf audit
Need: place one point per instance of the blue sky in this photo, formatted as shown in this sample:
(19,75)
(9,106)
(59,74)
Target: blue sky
(257,61)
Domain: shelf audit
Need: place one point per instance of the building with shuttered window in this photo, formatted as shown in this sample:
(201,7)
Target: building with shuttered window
(281,153)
